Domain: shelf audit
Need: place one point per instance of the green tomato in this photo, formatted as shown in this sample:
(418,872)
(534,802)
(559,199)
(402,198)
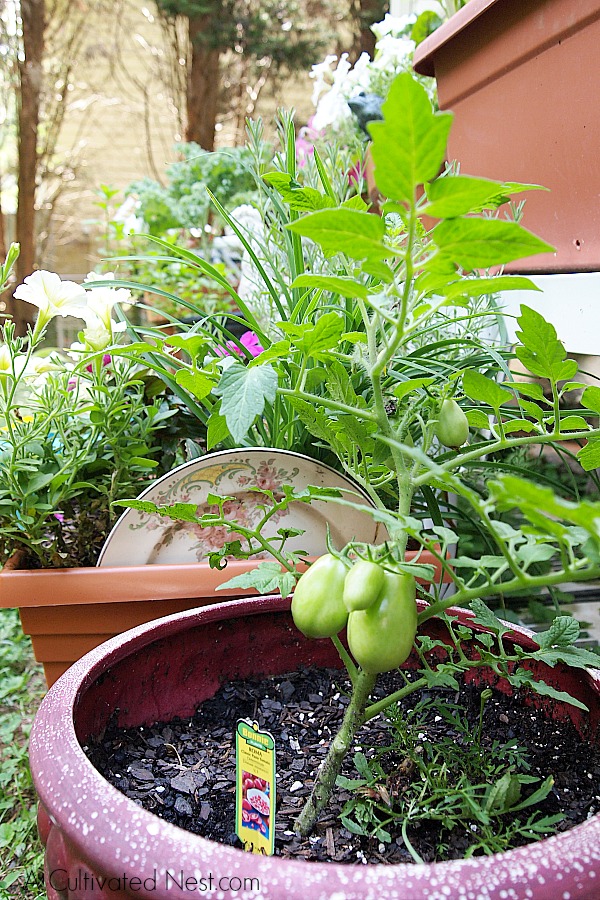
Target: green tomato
(362,585)
(317,605)
(452,428)
(381,637)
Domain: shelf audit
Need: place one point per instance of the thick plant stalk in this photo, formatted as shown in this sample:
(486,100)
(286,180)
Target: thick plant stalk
(330,769)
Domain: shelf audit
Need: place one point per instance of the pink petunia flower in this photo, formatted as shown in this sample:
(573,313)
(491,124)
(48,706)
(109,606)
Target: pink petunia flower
(249,340)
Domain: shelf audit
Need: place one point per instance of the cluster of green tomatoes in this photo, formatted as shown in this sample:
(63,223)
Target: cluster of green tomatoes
(377,606)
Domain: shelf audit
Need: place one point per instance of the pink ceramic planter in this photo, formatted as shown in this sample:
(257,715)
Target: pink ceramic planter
(162,669)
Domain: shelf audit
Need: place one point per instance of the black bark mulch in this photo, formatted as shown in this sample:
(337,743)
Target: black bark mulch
(184,770)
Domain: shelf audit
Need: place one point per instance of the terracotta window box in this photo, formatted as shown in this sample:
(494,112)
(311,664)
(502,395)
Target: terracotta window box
(522,81)
(68,612)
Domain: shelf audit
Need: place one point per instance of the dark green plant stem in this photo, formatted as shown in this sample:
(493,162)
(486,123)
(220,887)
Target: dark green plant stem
(332,764)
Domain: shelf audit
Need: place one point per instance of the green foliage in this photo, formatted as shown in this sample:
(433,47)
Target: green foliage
(183,202)
(409,145)
(447,779)
(21,689)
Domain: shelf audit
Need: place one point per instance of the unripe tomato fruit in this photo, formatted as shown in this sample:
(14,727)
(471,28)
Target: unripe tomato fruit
(317,604)
(381,637)
(452,428)
(362,585)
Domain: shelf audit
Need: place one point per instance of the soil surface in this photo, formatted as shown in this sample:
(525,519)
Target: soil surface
(184,770)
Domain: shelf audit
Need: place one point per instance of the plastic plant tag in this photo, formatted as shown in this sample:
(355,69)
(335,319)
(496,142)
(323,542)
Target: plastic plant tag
(255,788)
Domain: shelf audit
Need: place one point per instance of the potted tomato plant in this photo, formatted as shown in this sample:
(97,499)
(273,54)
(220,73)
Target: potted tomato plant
(422,433)
(94,832)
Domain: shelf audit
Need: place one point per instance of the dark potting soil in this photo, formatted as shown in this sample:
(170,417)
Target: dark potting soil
(184,770)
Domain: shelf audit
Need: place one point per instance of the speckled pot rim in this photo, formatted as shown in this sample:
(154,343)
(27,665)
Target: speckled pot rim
(116,837)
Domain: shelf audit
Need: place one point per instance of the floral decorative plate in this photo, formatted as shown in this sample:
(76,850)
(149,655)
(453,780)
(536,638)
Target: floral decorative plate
(141,538)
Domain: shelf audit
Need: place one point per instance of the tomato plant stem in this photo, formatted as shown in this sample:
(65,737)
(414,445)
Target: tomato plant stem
(332,764)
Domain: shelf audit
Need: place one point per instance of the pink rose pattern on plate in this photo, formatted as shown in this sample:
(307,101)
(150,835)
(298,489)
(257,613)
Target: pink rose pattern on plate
(226,480)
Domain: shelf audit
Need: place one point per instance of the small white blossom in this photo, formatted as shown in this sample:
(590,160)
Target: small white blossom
(97,335)
(323,76)
(5,360)
(100,301)
(8,366)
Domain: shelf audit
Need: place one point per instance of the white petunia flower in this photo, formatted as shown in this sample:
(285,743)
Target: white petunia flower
(8,365)
(52,296)
(100,301)
(323,76)
(5,361)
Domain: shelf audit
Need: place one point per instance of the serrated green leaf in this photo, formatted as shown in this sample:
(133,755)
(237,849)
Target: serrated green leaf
(315,339)
(532,409)
(532,552)
(525,678)
(478,243)
(477,419)
(457,195)
(478,387)
(278,350)
(191,343)
(217,430)
(408,147)
(355,202)
(563,632)
(591,398)
(529,389)
(589,456)
(379,270)
(439,678)
(424,571)
(512,425)
(477,287)
(573,423)
(297,196)
(484,616)
(265,579)
(576,657)
(354,337)
(182,512)
(244,392)
(540,351)
(340,386)
(197,383)
(357,234)
(345,287)
(314,419)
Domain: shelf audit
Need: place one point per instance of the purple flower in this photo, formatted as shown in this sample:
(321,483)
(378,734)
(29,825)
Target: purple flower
(249,340)
(106,359)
